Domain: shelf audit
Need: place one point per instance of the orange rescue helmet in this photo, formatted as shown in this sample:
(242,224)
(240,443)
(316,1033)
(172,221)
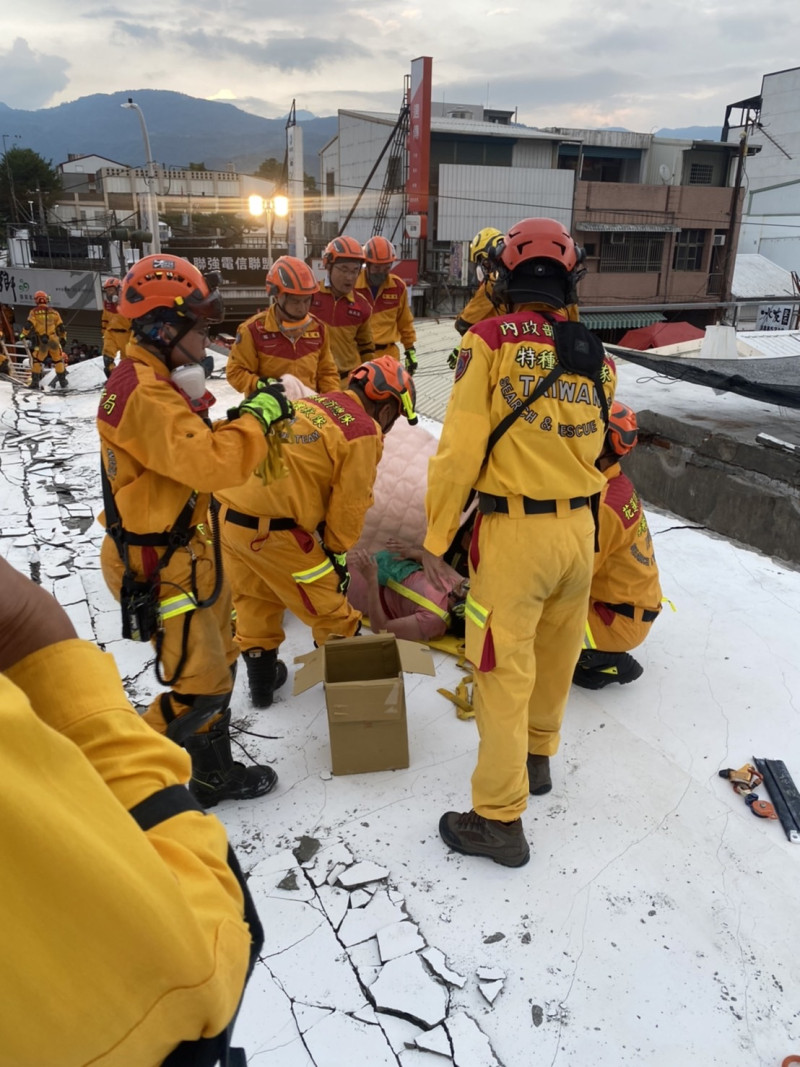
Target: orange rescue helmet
(538,239)
(380,251)
(112,283)
(536,262)
(167,289)
(41,297)
(385,378)
(344,248)
(292,276)
(623,429)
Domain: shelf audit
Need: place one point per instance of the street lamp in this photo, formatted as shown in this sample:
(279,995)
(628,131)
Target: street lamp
(152,200)
(277,205)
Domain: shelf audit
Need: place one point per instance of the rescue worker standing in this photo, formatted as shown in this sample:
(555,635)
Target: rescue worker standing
(533,542)
(273,553)
(161,461)
(116,328)
(46,333)
(392,322)
(480,307)
(625,598)
(285,339)
(344,310)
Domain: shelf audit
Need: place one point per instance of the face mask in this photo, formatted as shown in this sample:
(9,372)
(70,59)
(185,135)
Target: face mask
(294,329)
(479,273)
(190,379)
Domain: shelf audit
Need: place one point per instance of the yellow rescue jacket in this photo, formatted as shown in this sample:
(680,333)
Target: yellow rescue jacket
(116,333)
(391,320)
(350,332)
(262,350)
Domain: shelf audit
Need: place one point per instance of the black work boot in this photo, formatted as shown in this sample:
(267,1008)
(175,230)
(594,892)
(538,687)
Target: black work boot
(62,379)
(539,781)
(215,775)
(472,834)
(598,669)
(265,674)
(35,379)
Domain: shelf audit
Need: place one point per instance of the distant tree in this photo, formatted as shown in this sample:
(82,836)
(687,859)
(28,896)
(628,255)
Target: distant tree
(205,224)
(26,176)
(197,166)
(272,171)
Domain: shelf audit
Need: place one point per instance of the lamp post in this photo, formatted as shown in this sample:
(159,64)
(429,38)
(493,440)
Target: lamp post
(152,200)
(277,205)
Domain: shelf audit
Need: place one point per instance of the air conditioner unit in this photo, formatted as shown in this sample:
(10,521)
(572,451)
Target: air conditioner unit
(719,239)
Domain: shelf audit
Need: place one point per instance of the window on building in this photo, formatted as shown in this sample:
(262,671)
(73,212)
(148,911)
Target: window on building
(394,173)
(701,174)
(689,247)
(634,253)
(330,183)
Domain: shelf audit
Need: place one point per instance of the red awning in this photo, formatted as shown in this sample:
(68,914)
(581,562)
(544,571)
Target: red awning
(660,334)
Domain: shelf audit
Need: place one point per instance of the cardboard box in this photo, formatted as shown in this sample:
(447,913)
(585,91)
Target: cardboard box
(365,697)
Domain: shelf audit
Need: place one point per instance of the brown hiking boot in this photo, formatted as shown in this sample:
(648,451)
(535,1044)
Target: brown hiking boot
(470,833)
(539,781)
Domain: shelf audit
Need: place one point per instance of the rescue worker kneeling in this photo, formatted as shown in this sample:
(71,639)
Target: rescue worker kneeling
(625,599)
(285,544)
(161,460)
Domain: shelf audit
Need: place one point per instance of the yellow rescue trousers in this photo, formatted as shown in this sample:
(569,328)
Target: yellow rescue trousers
(525,615)
(272,570)
(204,636)
(45,347)
(618,633)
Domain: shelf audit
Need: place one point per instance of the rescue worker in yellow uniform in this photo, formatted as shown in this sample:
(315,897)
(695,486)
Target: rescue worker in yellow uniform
(625,598)
(480,307)
(344,310)
(125,897)
(274,554)
(161,460)
(533,543)
(116,328)
(392,322)
(46,334)
(285,339)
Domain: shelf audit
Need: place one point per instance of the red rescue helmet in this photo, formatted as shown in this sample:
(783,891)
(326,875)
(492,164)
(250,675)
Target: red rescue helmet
(380,251)
(538,239)
(623,429)
(292,276)
(536,262)
(168,289)
(344,249)
(385,378)
(41,297)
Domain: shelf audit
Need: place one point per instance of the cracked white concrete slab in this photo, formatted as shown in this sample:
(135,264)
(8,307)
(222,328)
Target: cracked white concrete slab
(656,913)
(437,962)
(335,902)
(471,1047)
(342,1041)
(435,1040)
(398,939)
(360,924)
(299,974)
(405,988)
(360,874)
(490,990)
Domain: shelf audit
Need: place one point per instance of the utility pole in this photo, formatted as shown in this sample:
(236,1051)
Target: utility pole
(152,198)
(12,200)
(730,258)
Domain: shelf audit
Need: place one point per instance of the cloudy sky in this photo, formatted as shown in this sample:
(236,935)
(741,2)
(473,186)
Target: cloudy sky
(641,64)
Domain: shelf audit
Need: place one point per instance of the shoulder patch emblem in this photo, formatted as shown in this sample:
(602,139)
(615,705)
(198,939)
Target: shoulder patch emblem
(464,357)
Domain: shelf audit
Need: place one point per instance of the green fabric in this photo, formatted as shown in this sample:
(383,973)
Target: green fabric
(391,567)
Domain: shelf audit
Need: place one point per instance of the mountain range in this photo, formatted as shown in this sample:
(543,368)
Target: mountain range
(182,129)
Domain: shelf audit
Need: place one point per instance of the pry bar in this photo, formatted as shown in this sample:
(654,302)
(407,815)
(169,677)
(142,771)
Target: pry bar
(784,795)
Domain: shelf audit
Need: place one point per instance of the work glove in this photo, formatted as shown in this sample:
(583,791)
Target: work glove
(452,359)
(268,403)
(411,360)
(339,561)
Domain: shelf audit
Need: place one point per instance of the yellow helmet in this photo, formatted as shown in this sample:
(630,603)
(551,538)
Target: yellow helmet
(482,243)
